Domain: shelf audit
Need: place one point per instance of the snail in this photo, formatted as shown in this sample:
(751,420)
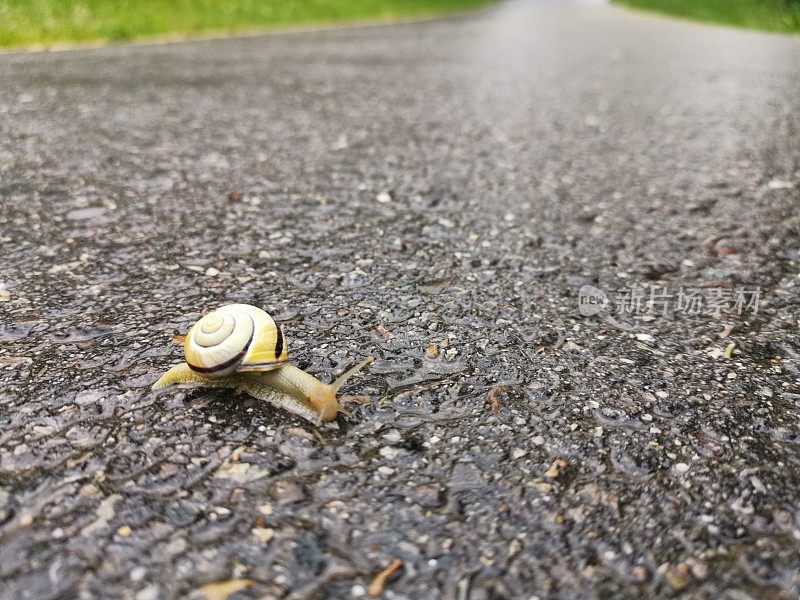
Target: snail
(242,347)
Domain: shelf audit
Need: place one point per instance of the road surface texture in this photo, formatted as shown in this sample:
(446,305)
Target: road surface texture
(433,194)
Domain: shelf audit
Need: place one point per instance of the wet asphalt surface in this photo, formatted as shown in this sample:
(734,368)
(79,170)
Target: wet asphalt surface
(435,195)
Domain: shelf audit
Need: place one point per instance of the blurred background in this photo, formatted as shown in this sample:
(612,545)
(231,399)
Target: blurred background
(47,22)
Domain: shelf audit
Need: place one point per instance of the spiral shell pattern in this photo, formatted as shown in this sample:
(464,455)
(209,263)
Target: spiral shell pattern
(236,337)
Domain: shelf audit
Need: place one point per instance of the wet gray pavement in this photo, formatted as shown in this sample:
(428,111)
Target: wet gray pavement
(435,195)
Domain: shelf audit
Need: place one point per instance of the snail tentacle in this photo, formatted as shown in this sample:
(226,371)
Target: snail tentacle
(342,379)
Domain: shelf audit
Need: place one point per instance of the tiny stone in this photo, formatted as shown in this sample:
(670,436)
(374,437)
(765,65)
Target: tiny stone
(286,492)
(698,568)
(678,577)
(428,495)
(151,592)
(264,534)
(124,531)
(627,548)
(389,452)
(212,272)
(393,436)
(780,184)
(518,453)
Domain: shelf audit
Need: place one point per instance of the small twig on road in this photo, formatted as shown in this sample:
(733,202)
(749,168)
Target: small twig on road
(494,397)
(379,582)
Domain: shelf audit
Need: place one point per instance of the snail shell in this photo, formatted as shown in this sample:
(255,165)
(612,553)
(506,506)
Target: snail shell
(236,337)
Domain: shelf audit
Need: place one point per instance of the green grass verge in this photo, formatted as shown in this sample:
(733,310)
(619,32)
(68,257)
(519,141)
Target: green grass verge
(769,15)
(29,22)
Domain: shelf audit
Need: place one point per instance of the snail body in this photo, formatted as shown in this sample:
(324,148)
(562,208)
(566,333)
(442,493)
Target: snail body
(240,346)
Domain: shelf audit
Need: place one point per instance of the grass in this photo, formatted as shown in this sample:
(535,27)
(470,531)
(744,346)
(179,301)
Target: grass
(44,22)
(769,15)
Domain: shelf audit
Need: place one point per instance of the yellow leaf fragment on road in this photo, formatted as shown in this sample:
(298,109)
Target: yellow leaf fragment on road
(220,590)
(729,350)
(379,582)
(555,468)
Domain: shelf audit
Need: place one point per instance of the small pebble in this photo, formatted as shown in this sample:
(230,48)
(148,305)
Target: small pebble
(780,184)
(389,452)
(124,531)
(393,436)
(263,534)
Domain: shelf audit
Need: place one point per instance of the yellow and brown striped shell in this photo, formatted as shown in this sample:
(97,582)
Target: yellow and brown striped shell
(236,337)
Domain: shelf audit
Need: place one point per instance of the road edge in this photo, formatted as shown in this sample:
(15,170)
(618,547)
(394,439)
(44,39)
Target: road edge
(180,38)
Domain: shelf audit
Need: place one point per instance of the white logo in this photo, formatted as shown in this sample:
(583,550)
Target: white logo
(591,300)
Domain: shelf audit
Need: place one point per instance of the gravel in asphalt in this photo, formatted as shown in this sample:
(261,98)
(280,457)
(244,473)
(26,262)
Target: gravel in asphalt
(436,195)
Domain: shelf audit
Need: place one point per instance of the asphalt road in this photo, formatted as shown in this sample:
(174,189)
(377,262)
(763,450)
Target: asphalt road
(434,194)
